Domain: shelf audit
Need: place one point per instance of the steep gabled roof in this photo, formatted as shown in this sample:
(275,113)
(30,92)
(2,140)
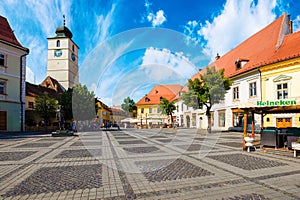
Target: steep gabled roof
(7,34)
(52,83)
(289,49)
(37,90)
(256,49)
(158,92)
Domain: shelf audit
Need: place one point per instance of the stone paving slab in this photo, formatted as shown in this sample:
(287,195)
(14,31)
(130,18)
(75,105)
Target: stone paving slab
(144,164)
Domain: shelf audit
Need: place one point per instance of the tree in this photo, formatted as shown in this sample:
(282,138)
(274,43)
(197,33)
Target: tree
(46,107)
(83,103)
(128,105)
(167,107)
(210,89)
(66,103)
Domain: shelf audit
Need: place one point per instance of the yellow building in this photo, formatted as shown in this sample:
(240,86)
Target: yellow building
(148,110)
(12,79)
(103,113)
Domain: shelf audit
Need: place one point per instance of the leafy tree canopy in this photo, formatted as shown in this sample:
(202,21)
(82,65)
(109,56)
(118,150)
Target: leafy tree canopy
(83,103)
(45,106)
(128,105)
(66,103)
(167,107)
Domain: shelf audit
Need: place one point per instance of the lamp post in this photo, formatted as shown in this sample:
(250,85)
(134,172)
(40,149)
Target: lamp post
(141,120)
(146,119)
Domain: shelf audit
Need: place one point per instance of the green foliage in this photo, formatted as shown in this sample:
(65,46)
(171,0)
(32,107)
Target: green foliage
(128,105)
(167,107)
(45,106)
(210,89)
(66,103)
(83,103)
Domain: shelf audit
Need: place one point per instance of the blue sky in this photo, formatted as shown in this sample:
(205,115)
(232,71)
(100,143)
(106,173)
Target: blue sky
(134,63)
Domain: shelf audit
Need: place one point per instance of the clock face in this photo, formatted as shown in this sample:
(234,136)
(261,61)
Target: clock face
(73,57)
(58,53)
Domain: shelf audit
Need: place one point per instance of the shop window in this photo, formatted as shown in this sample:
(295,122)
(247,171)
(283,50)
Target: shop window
(221,118)
(142,110)
(252,89)
(238,118)
(235,93)
(282,91)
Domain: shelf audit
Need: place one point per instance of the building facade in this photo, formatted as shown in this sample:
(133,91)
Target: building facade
(63,58)
(12,79)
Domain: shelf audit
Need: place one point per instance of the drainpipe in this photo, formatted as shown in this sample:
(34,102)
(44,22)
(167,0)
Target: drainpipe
(262,115)
(21,89)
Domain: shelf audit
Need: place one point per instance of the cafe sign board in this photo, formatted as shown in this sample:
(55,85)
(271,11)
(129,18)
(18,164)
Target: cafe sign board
(280,102)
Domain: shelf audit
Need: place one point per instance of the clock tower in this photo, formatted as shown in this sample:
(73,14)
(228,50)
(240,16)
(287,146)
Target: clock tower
(63,58)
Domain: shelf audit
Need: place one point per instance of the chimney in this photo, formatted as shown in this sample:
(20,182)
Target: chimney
(290,23)
(218,56)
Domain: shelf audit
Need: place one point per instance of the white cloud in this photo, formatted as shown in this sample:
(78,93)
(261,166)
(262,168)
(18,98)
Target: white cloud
(156,19)
(296,23)
(237,21)
(30,76)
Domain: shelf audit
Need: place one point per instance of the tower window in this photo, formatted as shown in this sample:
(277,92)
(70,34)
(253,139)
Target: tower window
(58,43)
(73,48)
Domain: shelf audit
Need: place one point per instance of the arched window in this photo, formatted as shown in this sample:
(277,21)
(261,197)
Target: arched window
(58,43)
(73,49)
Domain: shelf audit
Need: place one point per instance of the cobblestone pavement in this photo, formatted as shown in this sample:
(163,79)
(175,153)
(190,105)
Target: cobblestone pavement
(144,164)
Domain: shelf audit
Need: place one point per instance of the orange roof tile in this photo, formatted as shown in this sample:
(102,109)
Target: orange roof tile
(6,33)
(158,91)
(257,48)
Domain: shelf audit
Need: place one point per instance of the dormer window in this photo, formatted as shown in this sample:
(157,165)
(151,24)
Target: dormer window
(240,63)
(147,99)
(161,98)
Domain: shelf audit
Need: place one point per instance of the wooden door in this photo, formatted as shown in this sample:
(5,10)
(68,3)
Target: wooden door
(283,122)
(3,120)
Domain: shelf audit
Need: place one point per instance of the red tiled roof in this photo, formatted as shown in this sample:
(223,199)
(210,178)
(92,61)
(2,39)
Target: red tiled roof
(6,33)
(158,91)
(257,49)
(289,49)
(52,83)
(36,90)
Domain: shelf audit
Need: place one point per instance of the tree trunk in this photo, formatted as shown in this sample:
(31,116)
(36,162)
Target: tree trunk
(209,119)
(171,118)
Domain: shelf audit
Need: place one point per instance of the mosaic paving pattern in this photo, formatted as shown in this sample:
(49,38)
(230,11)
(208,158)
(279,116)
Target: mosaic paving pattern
(132,142)
(35,145)
(15,156)
(58,179)
(79,153)
(249,197)
(233,144)
(173,170)
(246,162)
(51,139)
(231,137)
(92,143)
(125,137)
(149,149)
(159,137)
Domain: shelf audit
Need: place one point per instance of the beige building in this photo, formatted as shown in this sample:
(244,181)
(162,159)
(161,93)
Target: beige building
(12,79)
(63,58)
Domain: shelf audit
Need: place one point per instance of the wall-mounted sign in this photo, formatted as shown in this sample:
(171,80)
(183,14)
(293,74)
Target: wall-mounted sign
(280,102)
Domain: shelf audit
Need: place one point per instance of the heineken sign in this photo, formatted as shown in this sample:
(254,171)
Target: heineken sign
(280,102)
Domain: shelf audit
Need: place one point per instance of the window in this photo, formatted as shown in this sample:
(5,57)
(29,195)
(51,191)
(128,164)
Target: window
(73,49)
(58,43)
(30,104)
(147,99)
(252,89)
(3,120)
(235,93)
(2,87)
(1,60)
(161,98)
(182,107)
(222,118)
(142,110)
(282,91)
(150,110)
(177,108)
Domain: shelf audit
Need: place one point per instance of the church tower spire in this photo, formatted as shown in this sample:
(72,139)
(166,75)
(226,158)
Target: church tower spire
(63,57)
